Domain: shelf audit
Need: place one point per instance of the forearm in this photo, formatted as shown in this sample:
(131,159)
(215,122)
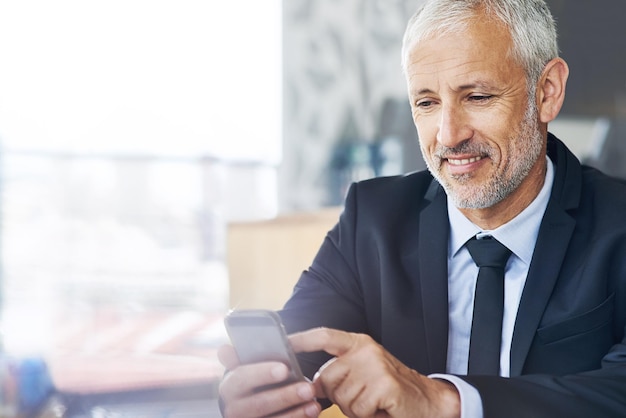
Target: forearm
(598,393)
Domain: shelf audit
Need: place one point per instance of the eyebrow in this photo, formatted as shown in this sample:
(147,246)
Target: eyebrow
(421,91)
(478,84)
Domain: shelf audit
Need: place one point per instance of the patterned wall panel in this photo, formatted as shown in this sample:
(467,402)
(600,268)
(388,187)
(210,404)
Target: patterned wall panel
(343,85)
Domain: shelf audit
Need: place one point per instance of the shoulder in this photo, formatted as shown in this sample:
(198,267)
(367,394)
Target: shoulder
(602,201)
(598,185)
(390,200)
(580,187)
(407,186)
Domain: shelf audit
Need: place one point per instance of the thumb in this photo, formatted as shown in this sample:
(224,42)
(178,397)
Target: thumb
(227,355)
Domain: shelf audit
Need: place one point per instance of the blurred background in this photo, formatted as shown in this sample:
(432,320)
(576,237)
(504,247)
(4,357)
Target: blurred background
(164,161)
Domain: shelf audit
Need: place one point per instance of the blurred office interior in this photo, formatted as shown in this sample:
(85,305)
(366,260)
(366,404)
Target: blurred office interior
(163,162)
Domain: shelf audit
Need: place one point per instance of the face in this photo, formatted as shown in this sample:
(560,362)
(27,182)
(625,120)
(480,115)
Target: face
(478,128)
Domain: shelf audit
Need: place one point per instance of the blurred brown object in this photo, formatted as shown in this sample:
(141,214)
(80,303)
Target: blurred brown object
(265,258)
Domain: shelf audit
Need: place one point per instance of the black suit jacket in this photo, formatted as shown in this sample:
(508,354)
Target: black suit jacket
(382,270)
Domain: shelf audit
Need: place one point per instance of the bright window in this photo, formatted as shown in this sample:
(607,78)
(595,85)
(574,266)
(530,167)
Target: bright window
(131,132)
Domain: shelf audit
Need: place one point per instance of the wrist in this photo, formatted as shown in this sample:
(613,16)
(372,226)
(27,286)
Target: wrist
(449,401)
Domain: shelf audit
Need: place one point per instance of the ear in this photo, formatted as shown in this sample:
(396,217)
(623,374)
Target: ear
(551,89)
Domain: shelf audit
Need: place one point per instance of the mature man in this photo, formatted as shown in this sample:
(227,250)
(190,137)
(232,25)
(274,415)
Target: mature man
(395,284)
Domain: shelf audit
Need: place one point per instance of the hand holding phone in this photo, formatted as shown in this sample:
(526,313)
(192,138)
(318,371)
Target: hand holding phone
(259,336)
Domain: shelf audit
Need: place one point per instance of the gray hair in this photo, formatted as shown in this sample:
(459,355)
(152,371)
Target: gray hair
(530,23)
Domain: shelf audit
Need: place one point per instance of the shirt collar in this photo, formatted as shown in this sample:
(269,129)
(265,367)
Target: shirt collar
(518,235)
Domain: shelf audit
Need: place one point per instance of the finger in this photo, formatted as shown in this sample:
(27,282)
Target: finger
(357,394)
(341,387)
(227,356)
(306,410)
(335,379)
(318,385)
(324,367)
(248,378)
(332,341)
(291,400)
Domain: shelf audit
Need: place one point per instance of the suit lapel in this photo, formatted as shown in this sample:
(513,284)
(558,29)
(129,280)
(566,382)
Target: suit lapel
(552,242)
(555,233)
(426,263)
(432,284)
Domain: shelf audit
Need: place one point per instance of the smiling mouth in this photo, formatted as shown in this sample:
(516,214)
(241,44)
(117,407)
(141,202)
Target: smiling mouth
(464,161)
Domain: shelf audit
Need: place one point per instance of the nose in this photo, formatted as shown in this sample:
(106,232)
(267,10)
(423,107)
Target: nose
(453,126)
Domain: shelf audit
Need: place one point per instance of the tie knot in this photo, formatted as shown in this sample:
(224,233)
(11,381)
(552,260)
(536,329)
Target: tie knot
(488,252)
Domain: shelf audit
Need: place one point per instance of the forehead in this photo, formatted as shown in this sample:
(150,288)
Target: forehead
(481,50)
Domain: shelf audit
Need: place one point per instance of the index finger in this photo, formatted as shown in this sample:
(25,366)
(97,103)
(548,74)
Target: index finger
(332,341)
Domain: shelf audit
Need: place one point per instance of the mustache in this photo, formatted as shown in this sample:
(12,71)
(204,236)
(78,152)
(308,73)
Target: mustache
(464,148)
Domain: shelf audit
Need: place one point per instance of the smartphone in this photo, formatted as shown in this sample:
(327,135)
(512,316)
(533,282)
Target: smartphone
(258,336)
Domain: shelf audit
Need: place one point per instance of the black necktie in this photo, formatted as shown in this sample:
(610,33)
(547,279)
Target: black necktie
(491,257)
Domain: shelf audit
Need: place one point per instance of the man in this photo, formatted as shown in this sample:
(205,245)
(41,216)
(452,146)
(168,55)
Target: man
(393,283)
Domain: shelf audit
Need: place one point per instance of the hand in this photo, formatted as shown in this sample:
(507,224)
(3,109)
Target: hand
(365,380)
(241,397)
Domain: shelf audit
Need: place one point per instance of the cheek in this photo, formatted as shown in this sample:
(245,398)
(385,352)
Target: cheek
(426,133)
(495,132)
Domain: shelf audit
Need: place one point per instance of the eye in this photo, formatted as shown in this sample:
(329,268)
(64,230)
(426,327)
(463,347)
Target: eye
(479,98)
(424,103)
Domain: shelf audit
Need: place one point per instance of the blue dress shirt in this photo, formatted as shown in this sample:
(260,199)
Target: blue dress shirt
(519,235)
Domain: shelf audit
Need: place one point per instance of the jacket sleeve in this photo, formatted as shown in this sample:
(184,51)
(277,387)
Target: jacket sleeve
(597,393)
(328,293)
